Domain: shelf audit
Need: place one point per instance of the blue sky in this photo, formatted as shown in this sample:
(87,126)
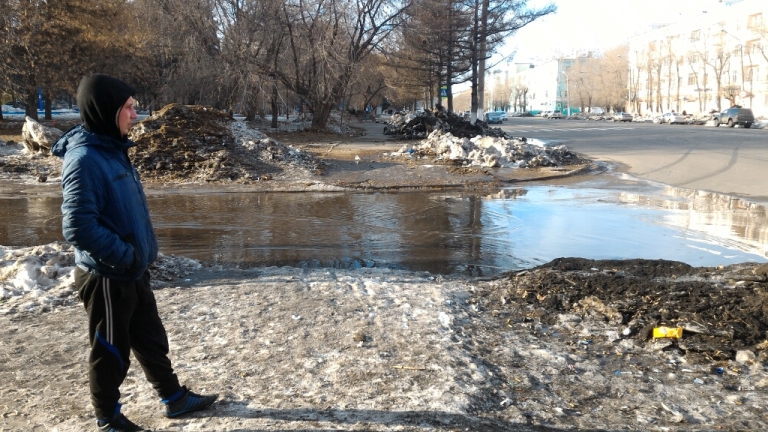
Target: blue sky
(596,24)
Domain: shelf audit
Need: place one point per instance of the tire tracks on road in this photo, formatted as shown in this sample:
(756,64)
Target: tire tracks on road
(669,165)
(728,166)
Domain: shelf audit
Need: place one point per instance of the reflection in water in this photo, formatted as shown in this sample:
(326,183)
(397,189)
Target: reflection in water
(414,231)
(725,219)
(447,232)
(30,221)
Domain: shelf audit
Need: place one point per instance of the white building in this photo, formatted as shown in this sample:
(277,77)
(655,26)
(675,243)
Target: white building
(547,85)
(703,62)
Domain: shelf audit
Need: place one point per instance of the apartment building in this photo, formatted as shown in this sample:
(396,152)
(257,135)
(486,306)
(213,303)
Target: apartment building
(546,85)
(707,61)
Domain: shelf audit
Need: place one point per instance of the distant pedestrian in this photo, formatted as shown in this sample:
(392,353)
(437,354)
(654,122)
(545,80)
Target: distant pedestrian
(107,219)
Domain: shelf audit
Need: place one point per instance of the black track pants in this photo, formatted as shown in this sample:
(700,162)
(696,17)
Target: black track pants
(122,316)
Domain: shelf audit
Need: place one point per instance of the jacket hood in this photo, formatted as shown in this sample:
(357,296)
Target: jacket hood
(100,98)
(79,136)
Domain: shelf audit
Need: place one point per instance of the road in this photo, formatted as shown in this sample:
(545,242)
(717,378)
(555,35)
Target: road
(725,160)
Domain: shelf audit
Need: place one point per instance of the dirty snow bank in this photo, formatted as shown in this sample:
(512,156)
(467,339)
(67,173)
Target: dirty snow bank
(491,151)
(195,143)
(40,277)
(367,349)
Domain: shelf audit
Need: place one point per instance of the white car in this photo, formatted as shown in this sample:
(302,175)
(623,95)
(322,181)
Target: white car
(672,118)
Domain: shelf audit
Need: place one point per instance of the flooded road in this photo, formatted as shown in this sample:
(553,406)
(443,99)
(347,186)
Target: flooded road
(440,232)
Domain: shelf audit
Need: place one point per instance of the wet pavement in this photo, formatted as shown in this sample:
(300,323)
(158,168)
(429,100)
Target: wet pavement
(725,160)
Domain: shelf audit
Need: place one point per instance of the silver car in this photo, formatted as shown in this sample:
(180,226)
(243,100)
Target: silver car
(672,118)
(623,117)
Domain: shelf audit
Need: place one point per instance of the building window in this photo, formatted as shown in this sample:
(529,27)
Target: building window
(695,35)
(693,57)
(751,73)
(735,76)
(753,47)
(755,21)
(691,79)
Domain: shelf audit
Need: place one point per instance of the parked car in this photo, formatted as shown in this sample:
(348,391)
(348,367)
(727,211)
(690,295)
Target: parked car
(735,116)
(555,114)
(550,113)
(673,117)
(493,117)
(504,116)
(623,117)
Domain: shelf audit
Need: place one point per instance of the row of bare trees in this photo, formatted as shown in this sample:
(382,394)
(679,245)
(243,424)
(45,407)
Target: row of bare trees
(254,55)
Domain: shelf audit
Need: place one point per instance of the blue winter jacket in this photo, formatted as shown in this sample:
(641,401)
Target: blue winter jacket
(105,210)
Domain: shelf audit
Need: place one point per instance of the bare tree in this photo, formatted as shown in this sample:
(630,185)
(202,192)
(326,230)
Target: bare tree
(731,92)
(494,20)
(325,42)
(50,44)
(433,46)
(184,52)
(718,61)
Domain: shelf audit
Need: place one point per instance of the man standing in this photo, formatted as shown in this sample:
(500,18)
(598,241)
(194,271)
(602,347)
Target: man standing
(107,219)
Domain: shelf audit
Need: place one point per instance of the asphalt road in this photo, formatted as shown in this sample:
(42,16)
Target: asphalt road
(732,161)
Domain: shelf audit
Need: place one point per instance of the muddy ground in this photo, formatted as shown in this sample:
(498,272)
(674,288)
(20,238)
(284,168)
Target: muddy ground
(567,345)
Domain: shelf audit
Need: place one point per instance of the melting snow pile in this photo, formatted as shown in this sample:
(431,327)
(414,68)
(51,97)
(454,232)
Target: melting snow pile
(35,277)
(491,151)
(39,277)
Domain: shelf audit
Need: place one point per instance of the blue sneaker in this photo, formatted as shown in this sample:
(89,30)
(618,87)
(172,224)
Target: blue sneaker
(188,403)
(119,423)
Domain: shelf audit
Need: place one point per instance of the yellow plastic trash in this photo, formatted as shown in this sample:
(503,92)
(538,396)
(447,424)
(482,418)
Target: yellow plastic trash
(668,332)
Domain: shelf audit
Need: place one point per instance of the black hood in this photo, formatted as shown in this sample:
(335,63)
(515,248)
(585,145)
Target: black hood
(100,98)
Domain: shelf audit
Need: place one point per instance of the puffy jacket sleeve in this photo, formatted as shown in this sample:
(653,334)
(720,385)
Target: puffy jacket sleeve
(83,184)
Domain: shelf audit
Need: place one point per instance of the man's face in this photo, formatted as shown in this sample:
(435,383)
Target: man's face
(127,116)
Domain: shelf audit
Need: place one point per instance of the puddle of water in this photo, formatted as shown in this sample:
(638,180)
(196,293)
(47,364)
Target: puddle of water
(437,232)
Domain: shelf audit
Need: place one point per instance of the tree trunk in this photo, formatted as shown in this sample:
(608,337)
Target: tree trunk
(273,101)
(31,109)
(481,60)
(449,65)
(48,107)
(320,117)
(679,82)
(473,66)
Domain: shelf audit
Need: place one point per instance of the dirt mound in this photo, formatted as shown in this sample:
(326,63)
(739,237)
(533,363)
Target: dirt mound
(722,310)
(418,125)
(197,143)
